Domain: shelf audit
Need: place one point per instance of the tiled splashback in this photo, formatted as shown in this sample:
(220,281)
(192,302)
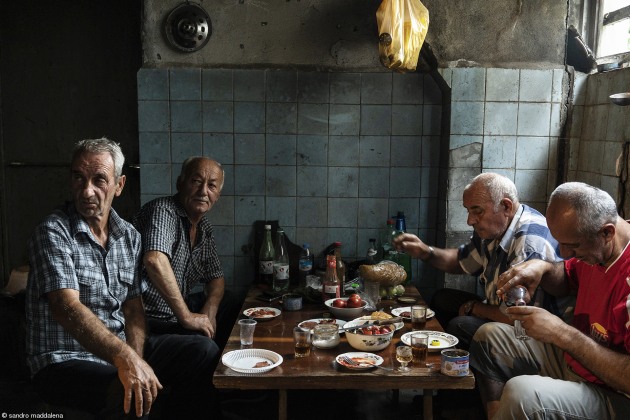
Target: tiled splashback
(599,129)
(515,115)
(328,155)
(506,121)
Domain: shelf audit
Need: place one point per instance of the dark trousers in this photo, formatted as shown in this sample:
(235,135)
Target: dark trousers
(227,313)
(446,304)
(183,363)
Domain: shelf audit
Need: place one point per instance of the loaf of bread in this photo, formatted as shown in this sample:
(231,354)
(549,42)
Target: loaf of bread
(387,273)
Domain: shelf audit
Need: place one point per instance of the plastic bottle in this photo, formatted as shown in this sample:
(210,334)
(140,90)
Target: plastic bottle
(305,264)
(265,258)
(371,255)
(330,284)
(403,258)
(281,264)
(341,269)
(385,245)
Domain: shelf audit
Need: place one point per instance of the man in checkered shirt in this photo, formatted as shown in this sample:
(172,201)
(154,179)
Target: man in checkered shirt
(179,253)
(86,340)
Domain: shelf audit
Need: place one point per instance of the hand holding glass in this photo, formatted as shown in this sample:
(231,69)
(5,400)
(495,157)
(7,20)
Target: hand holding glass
(516,297)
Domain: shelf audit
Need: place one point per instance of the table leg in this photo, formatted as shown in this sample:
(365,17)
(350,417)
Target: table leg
(427,404)
(282,404)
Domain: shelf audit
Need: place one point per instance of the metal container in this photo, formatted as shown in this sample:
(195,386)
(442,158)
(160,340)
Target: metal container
(455,362)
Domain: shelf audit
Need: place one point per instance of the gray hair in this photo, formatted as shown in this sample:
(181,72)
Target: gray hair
(102,145)
(498,187)
(188,164)
(594,207)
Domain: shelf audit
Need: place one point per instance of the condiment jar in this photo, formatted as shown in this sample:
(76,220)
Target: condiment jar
(326,336)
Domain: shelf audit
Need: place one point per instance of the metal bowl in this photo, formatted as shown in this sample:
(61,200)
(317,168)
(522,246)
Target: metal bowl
(622,99)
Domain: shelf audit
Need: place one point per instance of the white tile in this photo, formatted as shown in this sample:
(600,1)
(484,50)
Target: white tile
(447,75)
(468,84)
(533,119)
(535,85)
(600,120)
(617,122)
(467,117)
(508,173)
(502,85)
(457,216)
(500,118)
(532,153)
(574,153)
(610,184)
(553,152)
(528,184)
(576,121)
(457,141)
(579,88)
(558,87)
(555,126)
(612,151)
(499,152)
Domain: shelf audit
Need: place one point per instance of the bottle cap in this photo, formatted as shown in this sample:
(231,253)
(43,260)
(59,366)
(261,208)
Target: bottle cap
(267,226)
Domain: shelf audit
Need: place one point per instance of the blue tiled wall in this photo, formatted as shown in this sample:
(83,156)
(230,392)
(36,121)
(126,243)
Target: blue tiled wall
(506,121)
(328,155)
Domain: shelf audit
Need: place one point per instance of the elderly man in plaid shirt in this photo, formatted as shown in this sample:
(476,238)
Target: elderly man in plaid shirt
(86,342)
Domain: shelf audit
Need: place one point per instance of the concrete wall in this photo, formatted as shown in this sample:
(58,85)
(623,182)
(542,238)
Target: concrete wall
(342,34)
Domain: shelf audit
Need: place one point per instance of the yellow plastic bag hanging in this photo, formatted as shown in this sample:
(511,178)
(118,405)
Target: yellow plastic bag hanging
(402,28)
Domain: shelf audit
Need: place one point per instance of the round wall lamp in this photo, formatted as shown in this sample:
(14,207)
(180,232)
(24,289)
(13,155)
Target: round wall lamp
(188,27)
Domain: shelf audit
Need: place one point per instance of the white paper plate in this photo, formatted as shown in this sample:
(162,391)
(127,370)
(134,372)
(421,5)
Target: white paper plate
(371,360)
(245,361)
(304,324)
(272,313)
(399,311)
(437,340)
(361,320)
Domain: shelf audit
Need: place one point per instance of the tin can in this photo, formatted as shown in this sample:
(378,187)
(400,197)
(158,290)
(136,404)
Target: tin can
(454,362)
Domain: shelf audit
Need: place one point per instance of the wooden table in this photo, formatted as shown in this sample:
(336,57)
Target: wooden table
(320,371)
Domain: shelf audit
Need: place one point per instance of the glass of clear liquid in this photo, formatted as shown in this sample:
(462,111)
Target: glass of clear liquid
(516,297)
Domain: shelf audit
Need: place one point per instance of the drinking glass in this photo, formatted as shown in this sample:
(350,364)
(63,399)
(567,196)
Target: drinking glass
(404,356)
(247,331)
(418,317)
(372,291)
(419,348)
(516,297)
(302,341)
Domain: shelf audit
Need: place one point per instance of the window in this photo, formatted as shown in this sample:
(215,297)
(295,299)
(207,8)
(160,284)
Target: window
(613,27)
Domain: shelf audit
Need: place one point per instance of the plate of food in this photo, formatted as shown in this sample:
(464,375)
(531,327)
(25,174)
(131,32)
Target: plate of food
(311,323)
(437,340)
(363,360)
(363,319)
(251,360)
(405,312)
(262,313)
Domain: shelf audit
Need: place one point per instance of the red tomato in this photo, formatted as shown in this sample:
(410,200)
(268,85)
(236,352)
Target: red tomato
(366,331)
(339,303)
(384,330)
(354,301)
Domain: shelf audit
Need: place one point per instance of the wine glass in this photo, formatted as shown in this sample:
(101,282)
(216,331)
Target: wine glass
(404,356)
(516,297)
